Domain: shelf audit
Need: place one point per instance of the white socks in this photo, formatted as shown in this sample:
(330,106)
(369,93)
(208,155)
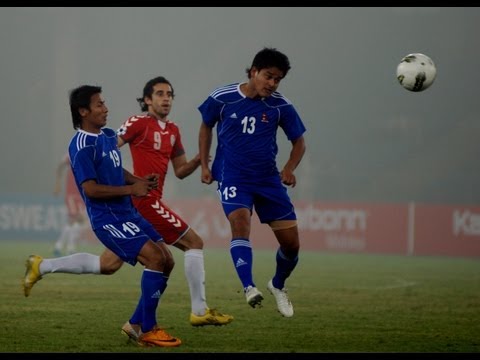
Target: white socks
(195,274)
(80,263)
(84,263)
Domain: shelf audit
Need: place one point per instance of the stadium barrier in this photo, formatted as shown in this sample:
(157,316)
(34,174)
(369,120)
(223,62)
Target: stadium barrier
(401,229)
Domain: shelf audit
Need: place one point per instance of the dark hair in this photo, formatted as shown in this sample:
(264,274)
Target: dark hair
(80,97)
(270,57)
(148,90)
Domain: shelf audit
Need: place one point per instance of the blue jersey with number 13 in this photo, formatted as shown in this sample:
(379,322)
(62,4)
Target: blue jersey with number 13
(247,131)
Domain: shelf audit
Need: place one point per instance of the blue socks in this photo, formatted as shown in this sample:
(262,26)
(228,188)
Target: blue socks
(242,256)
(284,268)
(153,285)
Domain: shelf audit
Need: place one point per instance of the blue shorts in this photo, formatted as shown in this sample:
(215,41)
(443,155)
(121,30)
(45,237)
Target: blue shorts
(126,238)
(268,196)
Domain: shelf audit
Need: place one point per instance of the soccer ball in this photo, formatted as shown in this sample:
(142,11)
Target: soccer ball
(416,72)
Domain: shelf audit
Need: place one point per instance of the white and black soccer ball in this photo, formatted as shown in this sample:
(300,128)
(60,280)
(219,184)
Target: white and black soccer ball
(416,72)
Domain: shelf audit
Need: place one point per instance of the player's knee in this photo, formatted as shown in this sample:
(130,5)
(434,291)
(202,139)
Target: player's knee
(109,263)
(111,268)
(164,261)
(240,216)
(169,265)
(191,240)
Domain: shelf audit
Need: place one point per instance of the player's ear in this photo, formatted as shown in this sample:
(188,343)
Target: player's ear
(83,112)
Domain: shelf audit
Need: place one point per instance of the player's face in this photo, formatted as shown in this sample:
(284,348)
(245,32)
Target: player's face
(161,102)
(266,81)
(96,116)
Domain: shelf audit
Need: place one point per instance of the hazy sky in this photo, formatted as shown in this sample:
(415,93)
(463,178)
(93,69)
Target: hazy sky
(368,138)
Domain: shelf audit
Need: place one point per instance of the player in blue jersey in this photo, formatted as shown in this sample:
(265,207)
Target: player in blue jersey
(106,189)
(146,132)
(247,116)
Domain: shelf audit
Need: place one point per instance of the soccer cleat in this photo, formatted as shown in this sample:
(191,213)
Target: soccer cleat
(284,305)
(158,337)
(211,317)
(254,297)
(129,331)
(32,273)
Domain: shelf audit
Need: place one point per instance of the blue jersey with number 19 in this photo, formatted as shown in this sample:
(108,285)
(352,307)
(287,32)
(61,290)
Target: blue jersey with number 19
(247,131)
(97,157)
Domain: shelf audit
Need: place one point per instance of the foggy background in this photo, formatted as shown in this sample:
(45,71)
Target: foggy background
(368,139)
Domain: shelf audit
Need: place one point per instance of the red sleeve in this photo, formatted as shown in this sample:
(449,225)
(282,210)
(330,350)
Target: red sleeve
(178,148)
(131,128)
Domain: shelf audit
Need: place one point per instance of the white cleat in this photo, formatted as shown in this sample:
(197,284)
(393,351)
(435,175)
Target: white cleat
(254,297)
(129,331)
(284,305)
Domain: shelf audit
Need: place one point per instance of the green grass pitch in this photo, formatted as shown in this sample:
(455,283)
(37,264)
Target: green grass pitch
(343,303)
